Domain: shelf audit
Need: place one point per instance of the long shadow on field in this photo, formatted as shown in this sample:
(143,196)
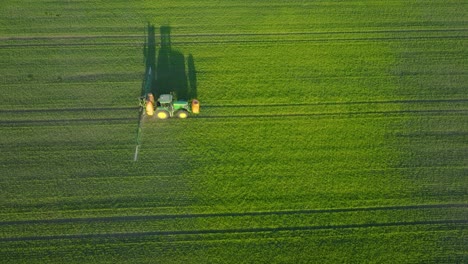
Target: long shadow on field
(173,72)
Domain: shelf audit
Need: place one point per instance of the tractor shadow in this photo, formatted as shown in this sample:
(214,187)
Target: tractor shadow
(173,72)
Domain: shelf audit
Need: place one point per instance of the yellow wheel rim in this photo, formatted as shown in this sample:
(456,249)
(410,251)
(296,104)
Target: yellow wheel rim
(162,115)
(183,115)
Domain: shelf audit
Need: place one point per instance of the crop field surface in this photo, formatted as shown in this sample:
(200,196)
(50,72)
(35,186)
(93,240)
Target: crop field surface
(329,132)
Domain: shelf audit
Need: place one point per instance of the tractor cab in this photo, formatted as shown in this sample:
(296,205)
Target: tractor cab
(165,99)
(165,102)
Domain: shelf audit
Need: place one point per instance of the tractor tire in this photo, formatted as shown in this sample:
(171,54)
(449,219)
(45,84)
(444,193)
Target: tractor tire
(162,114)
(182,114)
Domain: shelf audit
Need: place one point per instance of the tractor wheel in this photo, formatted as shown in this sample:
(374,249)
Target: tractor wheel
(161,114)
(182,114)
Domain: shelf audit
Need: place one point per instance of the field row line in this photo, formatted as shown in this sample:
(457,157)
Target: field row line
(331,114)
(409,101)
(238,214)
(288,41)
(62,121)
(316,114)
(133,36)
(233,231)
(164,177)
(90,109)
(84,109)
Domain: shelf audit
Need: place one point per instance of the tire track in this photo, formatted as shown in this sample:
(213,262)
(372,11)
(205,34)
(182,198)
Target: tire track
(416,101)
(215,42)
(259,116)
(231,231)
(90,109)
(336,114)
(318,40)
(130,36)
(65,121)
(240,214)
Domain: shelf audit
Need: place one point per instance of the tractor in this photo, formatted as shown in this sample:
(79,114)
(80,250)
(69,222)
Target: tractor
(167,106)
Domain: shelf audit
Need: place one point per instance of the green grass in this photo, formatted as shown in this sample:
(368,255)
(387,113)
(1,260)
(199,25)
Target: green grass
(330,132)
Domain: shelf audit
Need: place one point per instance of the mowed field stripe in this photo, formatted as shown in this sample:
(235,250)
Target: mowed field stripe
(233,231)
(239,214)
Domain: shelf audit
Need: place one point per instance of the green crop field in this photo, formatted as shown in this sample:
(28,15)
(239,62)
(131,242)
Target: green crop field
(329,132)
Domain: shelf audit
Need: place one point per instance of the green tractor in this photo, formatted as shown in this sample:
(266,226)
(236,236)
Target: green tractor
(167,106)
